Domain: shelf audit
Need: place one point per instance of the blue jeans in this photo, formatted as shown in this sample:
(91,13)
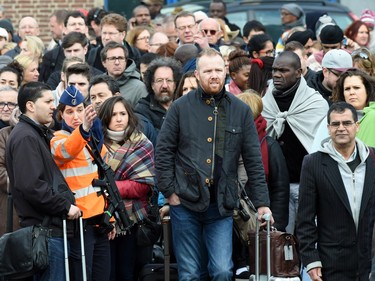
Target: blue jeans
(194,231)
(56,268)
(293,207)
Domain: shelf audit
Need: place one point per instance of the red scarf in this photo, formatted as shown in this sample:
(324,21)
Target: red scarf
(261,125)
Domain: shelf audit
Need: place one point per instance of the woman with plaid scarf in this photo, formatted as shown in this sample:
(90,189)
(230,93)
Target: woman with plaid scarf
(132,160)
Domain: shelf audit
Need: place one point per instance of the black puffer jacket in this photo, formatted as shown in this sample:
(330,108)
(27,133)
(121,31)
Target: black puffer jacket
(278,184)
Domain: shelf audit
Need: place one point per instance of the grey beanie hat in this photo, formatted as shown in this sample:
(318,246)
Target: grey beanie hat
(294,9)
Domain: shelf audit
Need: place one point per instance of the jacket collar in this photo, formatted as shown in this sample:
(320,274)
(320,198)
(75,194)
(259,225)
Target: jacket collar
(218,97)
(42,130)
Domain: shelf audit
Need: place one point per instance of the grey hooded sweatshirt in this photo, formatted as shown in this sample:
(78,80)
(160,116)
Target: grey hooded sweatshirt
(131,87)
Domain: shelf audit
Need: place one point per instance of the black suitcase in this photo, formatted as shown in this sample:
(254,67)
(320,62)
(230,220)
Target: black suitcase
(159,271)
(155,272)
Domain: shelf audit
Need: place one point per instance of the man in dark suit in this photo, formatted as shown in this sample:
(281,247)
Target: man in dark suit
(336,203)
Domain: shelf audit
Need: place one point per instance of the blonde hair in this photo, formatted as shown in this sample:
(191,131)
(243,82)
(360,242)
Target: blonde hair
(223,30)
(25,61)
(365,64)
(35,46)
(253,100)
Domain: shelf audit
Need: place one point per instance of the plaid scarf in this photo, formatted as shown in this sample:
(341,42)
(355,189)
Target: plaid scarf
(134,160)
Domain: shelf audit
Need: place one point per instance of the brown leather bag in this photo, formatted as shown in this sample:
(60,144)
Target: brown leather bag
(285,260)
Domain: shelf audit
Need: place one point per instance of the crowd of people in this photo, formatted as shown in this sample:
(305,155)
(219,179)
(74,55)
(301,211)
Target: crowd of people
(183,108)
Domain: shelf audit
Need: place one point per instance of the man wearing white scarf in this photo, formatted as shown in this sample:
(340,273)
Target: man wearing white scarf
(293,112)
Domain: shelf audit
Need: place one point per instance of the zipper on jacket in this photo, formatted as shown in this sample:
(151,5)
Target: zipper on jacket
(354,194)
(215,112)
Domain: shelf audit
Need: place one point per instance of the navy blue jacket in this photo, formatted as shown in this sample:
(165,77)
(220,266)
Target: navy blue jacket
(185,152)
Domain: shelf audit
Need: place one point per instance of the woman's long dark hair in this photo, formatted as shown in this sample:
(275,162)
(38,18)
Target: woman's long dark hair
(105,114)
(180,86)
(260,74)
(367,80)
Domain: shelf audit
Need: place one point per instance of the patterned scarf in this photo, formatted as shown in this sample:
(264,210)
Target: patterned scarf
(134,160)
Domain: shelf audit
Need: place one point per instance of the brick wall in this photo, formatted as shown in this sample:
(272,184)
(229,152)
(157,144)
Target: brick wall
(42,9)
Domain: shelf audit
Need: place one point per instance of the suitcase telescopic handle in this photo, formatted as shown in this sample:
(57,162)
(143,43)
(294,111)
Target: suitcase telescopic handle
(267,218)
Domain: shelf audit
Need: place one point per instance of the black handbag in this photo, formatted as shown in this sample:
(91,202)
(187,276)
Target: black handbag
(149,230)
(24,251)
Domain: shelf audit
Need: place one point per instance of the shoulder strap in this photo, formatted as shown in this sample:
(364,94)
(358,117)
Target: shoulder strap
(244,196)
(263,139)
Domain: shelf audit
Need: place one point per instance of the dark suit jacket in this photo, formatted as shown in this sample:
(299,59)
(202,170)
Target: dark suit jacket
(52,61)
(344,252)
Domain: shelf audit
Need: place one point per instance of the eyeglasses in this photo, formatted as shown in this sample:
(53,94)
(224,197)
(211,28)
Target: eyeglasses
(346,124)
(110,34)
(269,53)
(146,38)
(210,31)
(183,28)
(161,81)
(10,105)
(114,59)
(337,74)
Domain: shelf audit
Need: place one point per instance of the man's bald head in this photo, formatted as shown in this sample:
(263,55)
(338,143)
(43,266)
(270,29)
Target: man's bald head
(211,29)
(28,26)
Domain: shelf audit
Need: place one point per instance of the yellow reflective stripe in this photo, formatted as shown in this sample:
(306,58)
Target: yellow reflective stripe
(84,191)
(79,171)
(87,155)
(64,153)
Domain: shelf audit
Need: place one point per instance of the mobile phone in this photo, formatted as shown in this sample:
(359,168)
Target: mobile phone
(345,42)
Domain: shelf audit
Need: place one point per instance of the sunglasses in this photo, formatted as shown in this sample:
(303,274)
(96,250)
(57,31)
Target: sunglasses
(210,31)
(337,74)
(361,54)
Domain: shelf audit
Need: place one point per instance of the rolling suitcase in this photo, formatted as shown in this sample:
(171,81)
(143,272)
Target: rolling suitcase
(66,254)
(257,276)
(158,271)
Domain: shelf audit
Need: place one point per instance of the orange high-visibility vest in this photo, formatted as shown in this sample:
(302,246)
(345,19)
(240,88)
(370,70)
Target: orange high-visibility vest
(76,164)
